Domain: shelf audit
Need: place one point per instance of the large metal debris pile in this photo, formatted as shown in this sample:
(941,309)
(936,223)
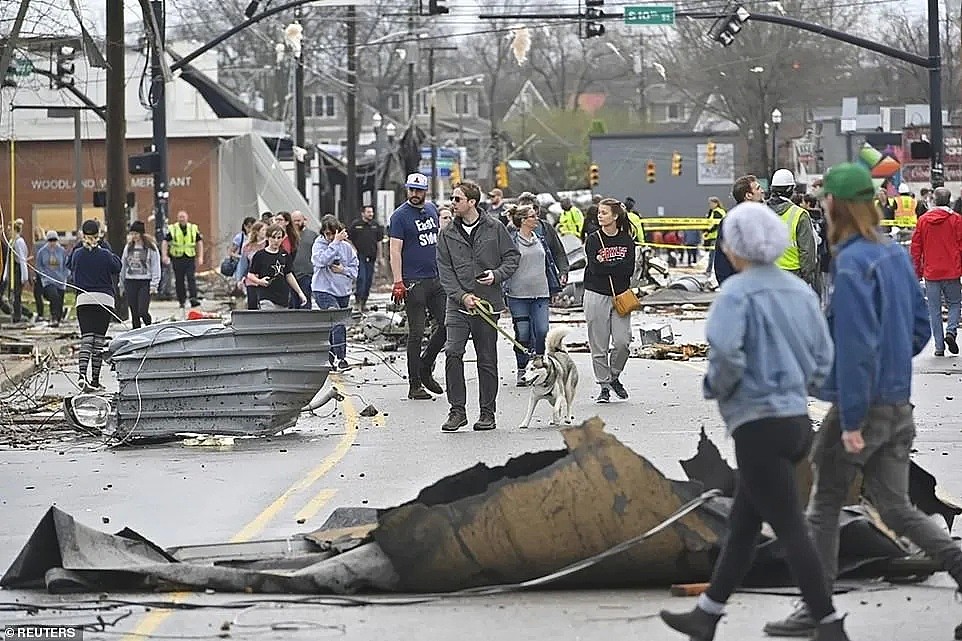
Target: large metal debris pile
(486,525)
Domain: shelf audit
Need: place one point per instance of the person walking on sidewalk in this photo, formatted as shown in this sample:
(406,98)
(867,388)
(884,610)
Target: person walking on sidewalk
(611,262)
(879,322)
(301,265)
(183,249)
(93,267)
(475,258)
(414,266)
(769,344)
(937,256)
(140,273)
(366,234)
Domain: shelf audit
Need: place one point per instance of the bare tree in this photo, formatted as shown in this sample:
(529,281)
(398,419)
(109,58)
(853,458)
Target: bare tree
(767,66)
(910,83)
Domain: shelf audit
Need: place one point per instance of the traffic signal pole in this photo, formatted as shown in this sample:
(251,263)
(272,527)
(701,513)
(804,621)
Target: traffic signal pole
(932,62)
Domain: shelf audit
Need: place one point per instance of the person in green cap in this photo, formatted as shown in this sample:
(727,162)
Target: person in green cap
(878,320)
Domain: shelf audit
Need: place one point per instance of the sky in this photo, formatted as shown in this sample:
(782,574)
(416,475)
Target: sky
(94,11)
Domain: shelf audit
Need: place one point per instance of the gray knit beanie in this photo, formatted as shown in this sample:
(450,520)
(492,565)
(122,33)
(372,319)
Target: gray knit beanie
(756,233)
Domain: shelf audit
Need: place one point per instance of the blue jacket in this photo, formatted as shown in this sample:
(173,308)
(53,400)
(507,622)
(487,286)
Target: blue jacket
(769,346)
(879,322)
(52,265)
(93,269)
(323,255)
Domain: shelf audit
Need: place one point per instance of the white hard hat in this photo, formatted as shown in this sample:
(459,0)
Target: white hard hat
(783,178)
(905,189)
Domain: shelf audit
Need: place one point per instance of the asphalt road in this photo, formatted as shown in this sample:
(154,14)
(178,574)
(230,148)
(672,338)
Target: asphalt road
(258,489)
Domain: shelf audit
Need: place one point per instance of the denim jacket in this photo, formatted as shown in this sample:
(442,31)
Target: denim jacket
(879,322)
(768,346)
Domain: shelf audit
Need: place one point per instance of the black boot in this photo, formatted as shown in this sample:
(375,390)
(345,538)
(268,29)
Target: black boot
(419,394)
(457,418)
(697,624)
(958,632)
(427,380)
(834,631)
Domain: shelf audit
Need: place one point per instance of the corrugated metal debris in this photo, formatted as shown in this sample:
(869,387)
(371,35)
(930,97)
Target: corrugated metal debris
(251,376)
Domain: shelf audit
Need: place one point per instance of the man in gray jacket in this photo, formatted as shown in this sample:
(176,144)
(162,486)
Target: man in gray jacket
(475,256)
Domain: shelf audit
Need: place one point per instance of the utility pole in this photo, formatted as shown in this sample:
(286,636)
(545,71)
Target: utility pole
(158,99)
(433,125)
(300,166)
(433,122)
(116,127)
(936,137)
(6,56)
(78,169)
(350,200)
(411,61)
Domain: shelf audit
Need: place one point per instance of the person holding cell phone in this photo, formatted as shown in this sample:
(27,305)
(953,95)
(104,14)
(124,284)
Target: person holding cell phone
(475,257)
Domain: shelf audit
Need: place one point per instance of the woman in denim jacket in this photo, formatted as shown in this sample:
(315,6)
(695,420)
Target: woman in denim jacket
(769,345)
(335,264)
(529,290)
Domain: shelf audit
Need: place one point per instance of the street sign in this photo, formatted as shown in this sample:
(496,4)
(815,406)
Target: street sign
(22,67)
(651,14)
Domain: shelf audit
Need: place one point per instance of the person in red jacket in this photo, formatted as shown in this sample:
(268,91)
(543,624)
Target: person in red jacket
(937,255)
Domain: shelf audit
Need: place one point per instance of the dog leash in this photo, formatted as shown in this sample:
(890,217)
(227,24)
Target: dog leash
(485,310)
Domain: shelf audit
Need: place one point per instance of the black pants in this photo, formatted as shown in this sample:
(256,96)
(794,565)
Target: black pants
(424,295)
(17,296)
(485,338)
(138,300)
(184,277)
(38,294)
(54,296)
(767,451)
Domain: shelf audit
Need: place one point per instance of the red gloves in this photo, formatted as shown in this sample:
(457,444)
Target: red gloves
(399,293)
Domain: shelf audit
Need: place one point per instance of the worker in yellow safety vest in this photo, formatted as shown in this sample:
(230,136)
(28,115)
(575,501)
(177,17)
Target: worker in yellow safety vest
(635,221)
(572,220)
(905,207)
(801,257)
(715,213)
(183,249)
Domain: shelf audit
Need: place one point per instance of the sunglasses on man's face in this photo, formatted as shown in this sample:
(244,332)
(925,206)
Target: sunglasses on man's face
(457,199)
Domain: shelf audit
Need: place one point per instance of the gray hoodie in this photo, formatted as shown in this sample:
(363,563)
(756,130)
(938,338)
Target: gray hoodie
(462,258)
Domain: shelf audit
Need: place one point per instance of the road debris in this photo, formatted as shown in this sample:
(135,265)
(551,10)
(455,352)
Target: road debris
(663,351)
(537,516)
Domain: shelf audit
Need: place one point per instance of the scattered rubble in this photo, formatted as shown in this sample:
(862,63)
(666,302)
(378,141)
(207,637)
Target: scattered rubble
(484,526)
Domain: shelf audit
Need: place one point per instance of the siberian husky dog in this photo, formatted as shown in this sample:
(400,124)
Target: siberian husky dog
(552,377)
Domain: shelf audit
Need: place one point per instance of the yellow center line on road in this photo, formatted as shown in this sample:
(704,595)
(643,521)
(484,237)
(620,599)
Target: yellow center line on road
(315,504)
(149,624)
(819,409)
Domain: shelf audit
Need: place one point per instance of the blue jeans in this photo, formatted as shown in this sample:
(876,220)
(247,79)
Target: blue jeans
(338,331)
(530,318)
(365,278)
(952,291)
(305,283)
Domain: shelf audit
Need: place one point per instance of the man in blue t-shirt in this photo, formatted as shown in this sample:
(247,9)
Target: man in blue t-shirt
(414,238)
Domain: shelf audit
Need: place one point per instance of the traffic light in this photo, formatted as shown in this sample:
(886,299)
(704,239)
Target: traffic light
(594,175)
(435,8)
(594,12)
(710,152)
(676,164)
(725,28)
(501,175)
(455,174)
(9,78)
(65,66)
(651,171)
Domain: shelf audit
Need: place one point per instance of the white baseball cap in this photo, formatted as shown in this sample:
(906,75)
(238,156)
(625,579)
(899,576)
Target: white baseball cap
(417,181)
